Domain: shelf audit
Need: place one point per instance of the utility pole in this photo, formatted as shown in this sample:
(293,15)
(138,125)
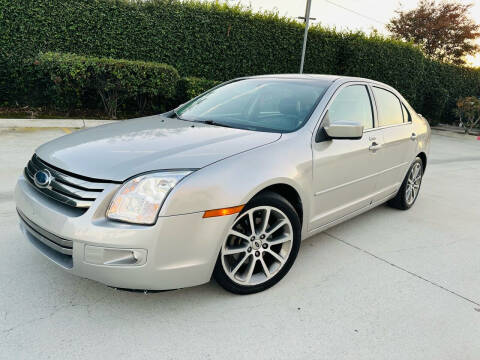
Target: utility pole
(306,19)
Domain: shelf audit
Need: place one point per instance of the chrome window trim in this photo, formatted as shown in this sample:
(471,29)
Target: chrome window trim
(404,107)
(399,101)
(389,126)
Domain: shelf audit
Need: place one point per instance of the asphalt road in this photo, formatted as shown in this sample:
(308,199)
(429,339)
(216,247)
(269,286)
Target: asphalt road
(385,285)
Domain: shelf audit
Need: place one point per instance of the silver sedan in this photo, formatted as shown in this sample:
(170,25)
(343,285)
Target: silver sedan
(226,185)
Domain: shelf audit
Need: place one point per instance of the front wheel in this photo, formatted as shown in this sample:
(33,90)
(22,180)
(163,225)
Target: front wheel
(260,247)
(410,188)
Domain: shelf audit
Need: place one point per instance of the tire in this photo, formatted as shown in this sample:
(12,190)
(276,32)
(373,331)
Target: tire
(406,197)
(246,263)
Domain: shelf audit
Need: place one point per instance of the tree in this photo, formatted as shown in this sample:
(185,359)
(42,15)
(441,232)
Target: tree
(468,112)
(444,31)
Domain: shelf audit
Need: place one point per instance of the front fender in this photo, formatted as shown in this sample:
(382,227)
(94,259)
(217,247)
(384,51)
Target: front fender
(235,180)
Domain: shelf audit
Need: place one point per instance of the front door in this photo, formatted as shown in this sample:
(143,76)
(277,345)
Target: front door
(345,171)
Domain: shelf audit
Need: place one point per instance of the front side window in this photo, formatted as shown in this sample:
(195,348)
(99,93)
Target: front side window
(388,107)
(268,104)
(352,104)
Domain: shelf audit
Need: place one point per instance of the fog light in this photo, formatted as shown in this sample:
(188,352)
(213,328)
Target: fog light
(98,255)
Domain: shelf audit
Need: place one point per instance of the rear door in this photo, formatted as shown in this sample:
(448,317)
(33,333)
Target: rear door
(395,128)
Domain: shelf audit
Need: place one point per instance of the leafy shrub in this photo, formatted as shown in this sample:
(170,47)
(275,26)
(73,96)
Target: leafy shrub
(393,62)
(72,76)
(434,101)
(190,87)
(468,112)
(213,41)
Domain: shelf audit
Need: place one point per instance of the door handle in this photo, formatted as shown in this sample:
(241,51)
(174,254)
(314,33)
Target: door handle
(413,137)
(374,147)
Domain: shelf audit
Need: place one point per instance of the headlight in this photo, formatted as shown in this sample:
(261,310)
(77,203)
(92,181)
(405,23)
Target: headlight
(139,200)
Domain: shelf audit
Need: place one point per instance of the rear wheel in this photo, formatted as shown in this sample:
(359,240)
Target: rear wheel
(410,188)
(261,246)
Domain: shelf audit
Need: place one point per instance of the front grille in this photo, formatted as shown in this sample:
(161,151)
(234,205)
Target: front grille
(73,190)
(56,248)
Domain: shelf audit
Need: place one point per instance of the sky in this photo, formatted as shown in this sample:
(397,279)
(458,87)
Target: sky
(351,14)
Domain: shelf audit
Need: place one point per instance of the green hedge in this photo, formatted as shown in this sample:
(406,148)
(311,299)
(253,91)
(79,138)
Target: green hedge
(189,87)
(67,80)
(214,41)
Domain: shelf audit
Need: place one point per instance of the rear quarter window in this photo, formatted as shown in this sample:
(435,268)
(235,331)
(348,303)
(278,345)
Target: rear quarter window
(406,114)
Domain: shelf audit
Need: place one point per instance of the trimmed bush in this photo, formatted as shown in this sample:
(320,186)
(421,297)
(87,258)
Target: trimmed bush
(213,41)
(393,62)
(190,87)
(71,77)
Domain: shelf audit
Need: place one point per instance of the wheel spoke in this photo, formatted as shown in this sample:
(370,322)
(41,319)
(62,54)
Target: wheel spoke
(265,268)
(240,235)
(266,217)
(280,259)
(276,227)
(408,194)
(233,251)
(416,170)
(280,240)
(252,223)
(240,263)
(250,270)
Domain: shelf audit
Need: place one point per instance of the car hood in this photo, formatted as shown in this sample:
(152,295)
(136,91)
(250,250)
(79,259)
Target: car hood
(118,151)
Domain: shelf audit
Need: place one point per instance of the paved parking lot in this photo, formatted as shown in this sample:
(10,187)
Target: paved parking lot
(385,285)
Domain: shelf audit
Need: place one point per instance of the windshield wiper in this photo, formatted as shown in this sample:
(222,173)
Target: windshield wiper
(212,122)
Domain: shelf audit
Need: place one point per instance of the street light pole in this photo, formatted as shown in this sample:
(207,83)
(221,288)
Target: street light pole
(307,22)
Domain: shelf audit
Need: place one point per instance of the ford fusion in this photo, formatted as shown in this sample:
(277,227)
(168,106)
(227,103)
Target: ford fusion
(226,185)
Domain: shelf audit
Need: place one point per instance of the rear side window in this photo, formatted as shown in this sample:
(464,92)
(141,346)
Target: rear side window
(352,104)
(388,107)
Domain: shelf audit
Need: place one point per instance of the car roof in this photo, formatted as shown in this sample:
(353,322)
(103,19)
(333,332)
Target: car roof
(296,77)
(328,78)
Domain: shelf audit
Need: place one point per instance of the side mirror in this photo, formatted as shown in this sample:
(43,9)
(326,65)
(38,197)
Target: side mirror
(344,130)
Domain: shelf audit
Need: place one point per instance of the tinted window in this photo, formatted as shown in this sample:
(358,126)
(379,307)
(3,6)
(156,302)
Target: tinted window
(352,104)
(277,105)
(388,107)
(406,114)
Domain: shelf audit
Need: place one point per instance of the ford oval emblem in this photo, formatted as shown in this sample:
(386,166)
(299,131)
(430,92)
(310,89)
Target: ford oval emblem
(42,178)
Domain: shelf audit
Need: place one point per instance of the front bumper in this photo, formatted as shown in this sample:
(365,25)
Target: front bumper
(178,251)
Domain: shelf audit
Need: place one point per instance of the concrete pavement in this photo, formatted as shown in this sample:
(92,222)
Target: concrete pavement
(385,285)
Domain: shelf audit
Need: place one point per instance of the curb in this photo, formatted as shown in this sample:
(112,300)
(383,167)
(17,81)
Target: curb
(454,135)
(52,123)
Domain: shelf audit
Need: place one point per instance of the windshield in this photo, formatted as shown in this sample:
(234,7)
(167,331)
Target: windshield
(275,105)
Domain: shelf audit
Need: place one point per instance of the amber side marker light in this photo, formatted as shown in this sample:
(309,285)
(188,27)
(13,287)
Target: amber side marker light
(223,212)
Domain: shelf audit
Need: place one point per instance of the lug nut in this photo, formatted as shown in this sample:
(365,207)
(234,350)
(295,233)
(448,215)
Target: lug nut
(249,249)
(257,253)
(265,245)
(252,238)
(262,236)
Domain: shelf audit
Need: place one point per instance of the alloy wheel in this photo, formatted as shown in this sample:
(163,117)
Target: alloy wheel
(257,246)
(413,183)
